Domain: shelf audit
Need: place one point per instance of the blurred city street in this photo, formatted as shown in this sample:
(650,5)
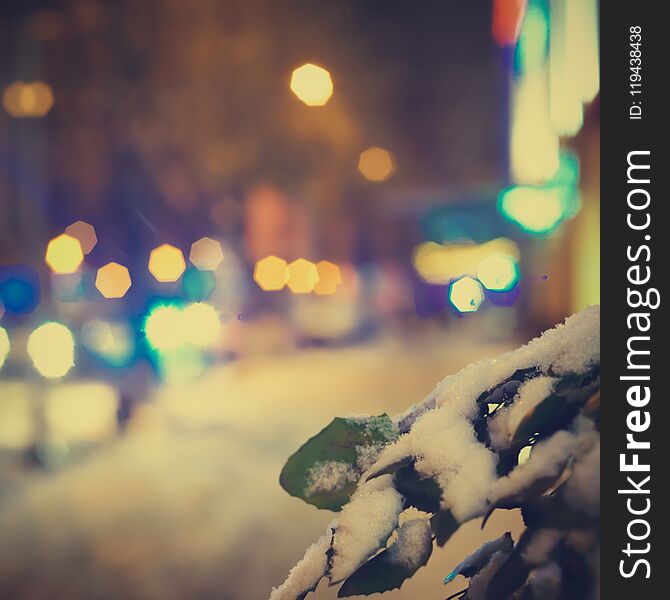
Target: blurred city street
(186,504)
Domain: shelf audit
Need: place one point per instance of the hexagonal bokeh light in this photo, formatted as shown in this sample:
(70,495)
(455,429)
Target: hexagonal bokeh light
(312,84)
(206,254)
(376,164)
(498,272)
(166,263)
(329,278)
(85,233)
(301,276)
(466,295)
(113,280)
(270,273)
(51,348)
(64,254)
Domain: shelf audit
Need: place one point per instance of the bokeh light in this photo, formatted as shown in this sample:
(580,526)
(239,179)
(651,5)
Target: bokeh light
(312,84)
(466,295)
(21,99)
(439,264)
(507,19)
(301,276)
(112,342)
(376,164)
(113,280)
(498,272)
(172,327)
(19,289)
(51,348)
(5,346)
(198,285)
(533,144)
(64,254)
(202,324)
(330,277)
(536,210)
(85,233)
(533,43)
(206,254)
(166,263)
(163,327)
(270,273)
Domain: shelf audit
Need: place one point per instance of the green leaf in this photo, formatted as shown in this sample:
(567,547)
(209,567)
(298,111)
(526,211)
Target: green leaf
(444,525)
(392,566)
(335,448)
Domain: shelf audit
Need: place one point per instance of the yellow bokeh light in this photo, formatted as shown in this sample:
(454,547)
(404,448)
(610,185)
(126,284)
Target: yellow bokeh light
(329,278)
(5,346)
(534,144)
(376,164)
(206,254)
(270,273)
(21,99)
(312,84)
(498,272)
(439,264)
(466,295)
(301,276)
(113,280)
(164,328)
(51,348)
(535,209)
(64,254)
(202,324)
(85,233)
(166,263)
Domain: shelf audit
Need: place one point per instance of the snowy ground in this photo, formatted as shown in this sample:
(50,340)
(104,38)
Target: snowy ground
(187,503)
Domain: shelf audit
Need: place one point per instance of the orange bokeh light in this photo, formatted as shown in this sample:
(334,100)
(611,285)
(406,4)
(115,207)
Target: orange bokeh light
(270,273)
(301,276)
(113,280)
(166,263)
(329,278)
(376,164)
